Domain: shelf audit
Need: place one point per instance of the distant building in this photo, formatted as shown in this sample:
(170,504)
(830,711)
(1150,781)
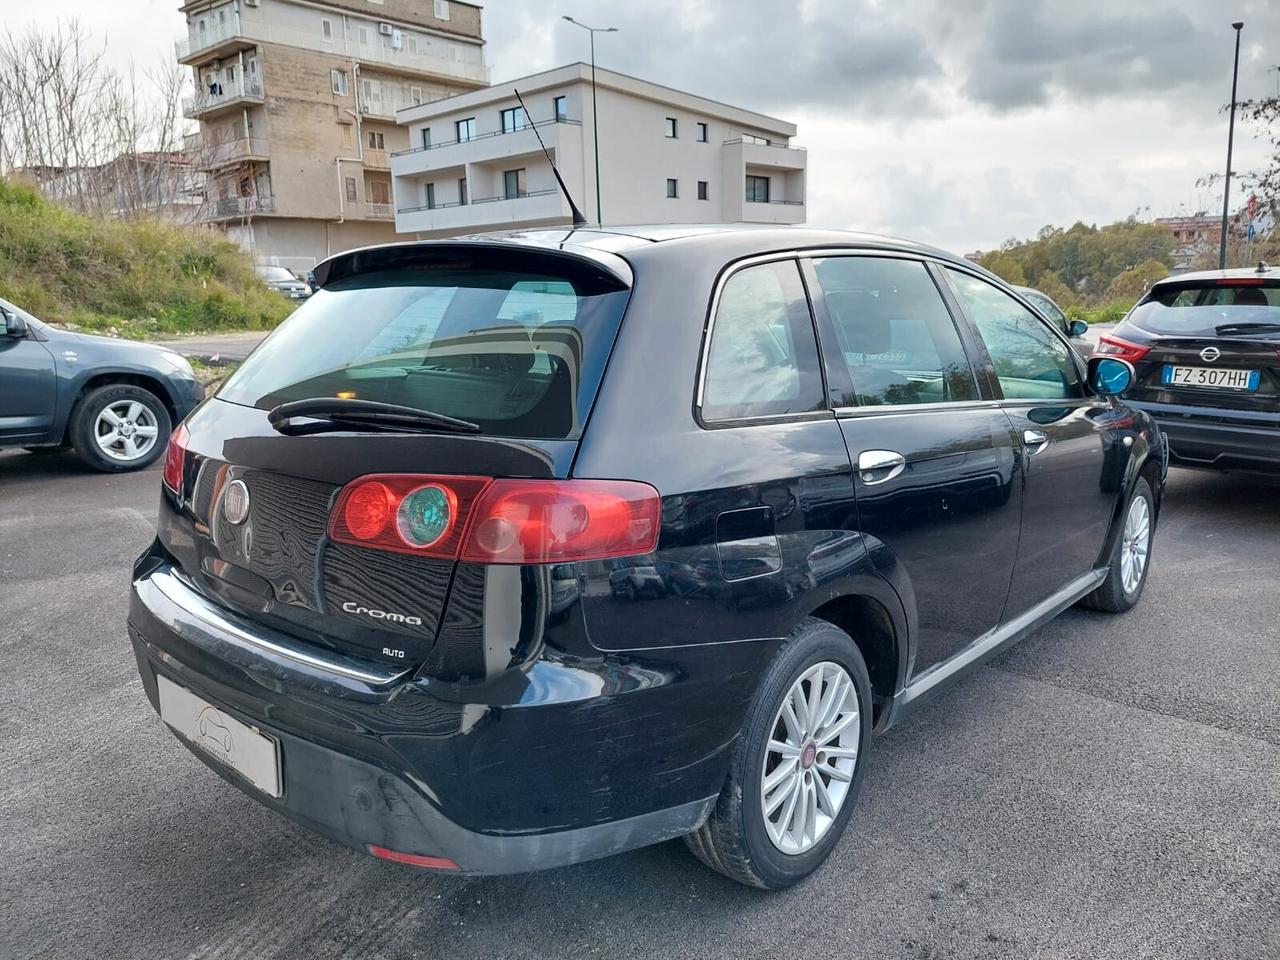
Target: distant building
(150,183)
(296,101)
(473,161)
(1193,236)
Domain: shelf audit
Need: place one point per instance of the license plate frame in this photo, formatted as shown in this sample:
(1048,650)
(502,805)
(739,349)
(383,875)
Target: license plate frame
(248,751)
(1210,378)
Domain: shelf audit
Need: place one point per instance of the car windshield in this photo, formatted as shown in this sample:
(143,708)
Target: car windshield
(519,352)
(276,273)
(1211,309)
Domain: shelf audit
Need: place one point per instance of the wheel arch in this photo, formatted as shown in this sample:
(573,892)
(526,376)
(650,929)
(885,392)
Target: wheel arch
(109,378)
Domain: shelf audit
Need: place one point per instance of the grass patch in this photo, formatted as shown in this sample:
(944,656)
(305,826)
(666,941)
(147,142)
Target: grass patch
(130,278)
(1102,313)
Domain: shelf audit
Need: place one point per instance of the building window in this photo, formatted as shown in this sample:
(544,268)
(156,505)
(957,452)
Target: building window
(415,96)
(442,9)
(672,129)
(431,196)
(351,190)
(757,189)
(702,133)
(376,141)
(465,129)
(411,45)
(326,28)
(379,191)
(702,190)
(426,138)
(673,188)
(338,82)
(347,139)
(363,34)
(562,108)
(513,119)
(514,184)
(462,191)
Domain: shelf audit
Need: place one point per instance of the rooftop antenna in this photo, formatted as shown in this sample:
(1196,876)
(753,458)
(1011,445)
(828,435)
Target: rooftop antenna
(578,219)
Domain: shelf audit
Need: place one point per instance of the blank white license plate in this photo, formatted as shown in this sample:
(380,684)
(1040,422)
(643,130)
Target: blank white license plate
(1222,378)
(250,753)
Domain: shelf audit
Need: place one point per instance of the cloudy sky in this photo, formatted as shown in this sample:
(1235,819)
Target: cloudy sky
(957,122)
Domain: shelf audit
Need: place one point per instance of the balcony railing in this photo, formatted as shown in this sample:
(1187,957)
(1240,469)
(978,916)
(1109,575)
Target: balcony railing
(233,208)
(379,50)
(212,155)
(369,210)
(222,93)
(487,136)
(478,200)
(789,203)
(761,142)
(376,157)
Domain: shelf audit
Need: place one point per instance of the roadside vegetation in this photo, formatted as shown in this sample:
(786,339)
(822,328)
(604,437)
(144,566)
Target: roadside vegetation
(132,278)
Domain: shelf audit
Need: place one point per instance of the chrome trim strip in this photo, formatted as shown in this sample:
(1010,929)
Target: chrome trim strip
(937,677)
(894,409)
(190,602)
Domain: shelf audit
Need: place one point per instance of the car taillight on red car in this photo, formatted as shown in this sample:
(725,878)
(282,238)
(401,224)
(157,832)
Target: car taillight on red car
(483,520)
(1120,348)
(175,456)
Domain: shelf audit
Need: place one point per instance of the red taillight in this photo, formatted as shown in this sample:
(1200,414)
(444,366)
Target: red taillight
(413,859)
(1120,348)
(175,456)
(1239,282)
(498,521)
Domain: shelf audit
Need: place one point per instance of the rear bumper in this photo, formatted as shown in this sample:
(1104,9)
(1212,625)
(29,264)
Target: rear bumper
(372,758)
(1218,439)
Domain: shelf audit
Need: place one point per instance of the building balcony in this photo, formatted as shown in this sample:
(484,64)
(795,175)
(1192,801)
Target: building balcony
(236,208)
(213,156)
(534,207)
(773,211)
(224,97)
(236,34)
(489,147)
(752,151)
(375,159)
(368,210)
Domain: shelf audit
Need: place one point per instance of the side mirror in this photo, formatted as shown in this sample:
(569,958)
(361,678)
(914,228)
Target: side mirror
(14,325)
(1109,376)
(1077,328)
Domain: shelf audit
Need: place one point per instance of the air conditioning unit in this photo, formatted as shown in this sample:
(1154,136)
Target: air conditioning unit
(385,29)
(252,3)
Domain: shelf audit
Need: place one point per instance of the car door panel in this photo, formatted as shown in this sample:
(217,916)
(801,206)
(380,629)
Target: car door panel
(28,390)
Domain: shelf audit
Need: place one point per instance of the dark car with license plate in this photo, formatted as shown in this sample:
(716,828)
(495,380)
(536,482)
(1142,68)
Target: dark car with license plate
(1206,353)
(518,550)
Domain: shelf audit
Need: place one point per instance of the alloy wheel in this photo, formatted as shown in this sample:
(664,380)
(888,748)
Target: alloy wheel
(810,758)
(1135,544)
(126,430)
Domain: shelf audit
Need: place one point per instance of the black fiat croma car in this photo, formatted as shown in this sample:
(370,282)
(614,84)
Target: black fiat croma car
(521,550)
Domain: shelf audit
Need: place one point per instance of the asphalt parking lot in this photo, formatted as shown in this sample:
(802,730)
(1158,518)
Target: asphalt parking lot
(1108,788)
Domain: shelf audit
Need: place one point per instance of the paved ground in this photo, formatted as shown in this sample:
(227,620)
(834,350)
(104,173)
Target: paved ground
(225,347)
(1108,789)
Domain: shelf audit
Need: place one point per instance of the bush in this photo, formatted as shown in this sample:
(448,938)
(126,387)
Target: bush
(131,277)
(1103,313)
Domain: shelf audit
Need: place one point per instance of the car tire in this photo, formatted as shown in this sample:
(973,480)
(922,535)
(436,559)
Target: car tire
(738,840)
(1123,586)
(143,417)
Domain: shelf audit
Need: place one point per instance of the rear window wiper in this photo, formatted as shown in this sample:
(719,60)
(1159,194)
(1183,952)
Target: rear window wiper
(1229,328)
(336,413)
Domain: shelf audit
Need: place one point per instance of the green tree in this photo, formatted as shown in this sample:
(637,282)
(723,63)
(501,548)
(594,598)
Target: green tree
(1005,266)
(1136,281)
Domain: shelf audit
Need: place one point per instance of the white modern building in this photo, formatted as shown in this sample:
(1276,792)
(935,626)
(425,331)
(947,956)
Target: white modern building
(474,162)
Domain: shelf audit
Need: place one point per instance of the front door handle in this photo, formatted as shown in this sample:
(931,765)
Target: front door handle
(1035,440)
(879,466)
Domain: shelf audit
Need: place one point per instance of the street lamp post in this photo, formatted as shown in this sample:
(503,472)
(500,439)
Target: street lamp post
(1231,132)
(595,119)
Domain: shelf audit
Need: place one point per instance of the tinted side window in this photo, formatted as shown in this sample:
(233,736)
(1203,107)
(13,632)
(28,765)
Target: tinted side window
(1031,362)
(763,359)
(894,333)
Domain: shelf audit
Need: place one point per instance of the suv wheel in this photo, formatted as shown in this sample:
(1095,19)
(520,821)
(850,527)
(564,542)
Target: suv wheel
(1130,558)
(119,427)
(797,766)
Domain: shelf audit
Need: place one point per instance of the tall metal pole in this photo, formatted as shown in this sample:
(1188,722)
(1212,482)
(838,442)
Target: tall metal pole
(595,126)
(1231,133)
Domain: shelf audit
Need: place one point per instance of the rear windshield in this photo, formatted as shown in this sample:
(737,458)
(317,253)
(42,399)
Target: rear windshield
(518,351)
(1209,310)
(275,273)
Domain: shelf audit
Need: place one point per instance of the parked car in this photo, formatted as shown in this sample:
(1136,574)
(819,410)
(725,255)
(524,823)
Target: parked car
(1206,350)
(1049,309)
(355,531)
(114,401)
(630,580)
(283,281)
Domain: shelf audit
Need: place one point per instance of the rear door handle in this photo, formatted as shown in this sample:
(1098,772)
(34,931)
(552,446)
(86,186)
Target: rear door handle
(1035,440)
(879,466)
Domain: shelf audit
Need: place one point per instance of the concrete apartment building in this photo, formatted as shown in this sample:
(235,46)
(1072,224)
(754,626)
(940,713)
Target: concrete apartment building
(296,101)
(473,161)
